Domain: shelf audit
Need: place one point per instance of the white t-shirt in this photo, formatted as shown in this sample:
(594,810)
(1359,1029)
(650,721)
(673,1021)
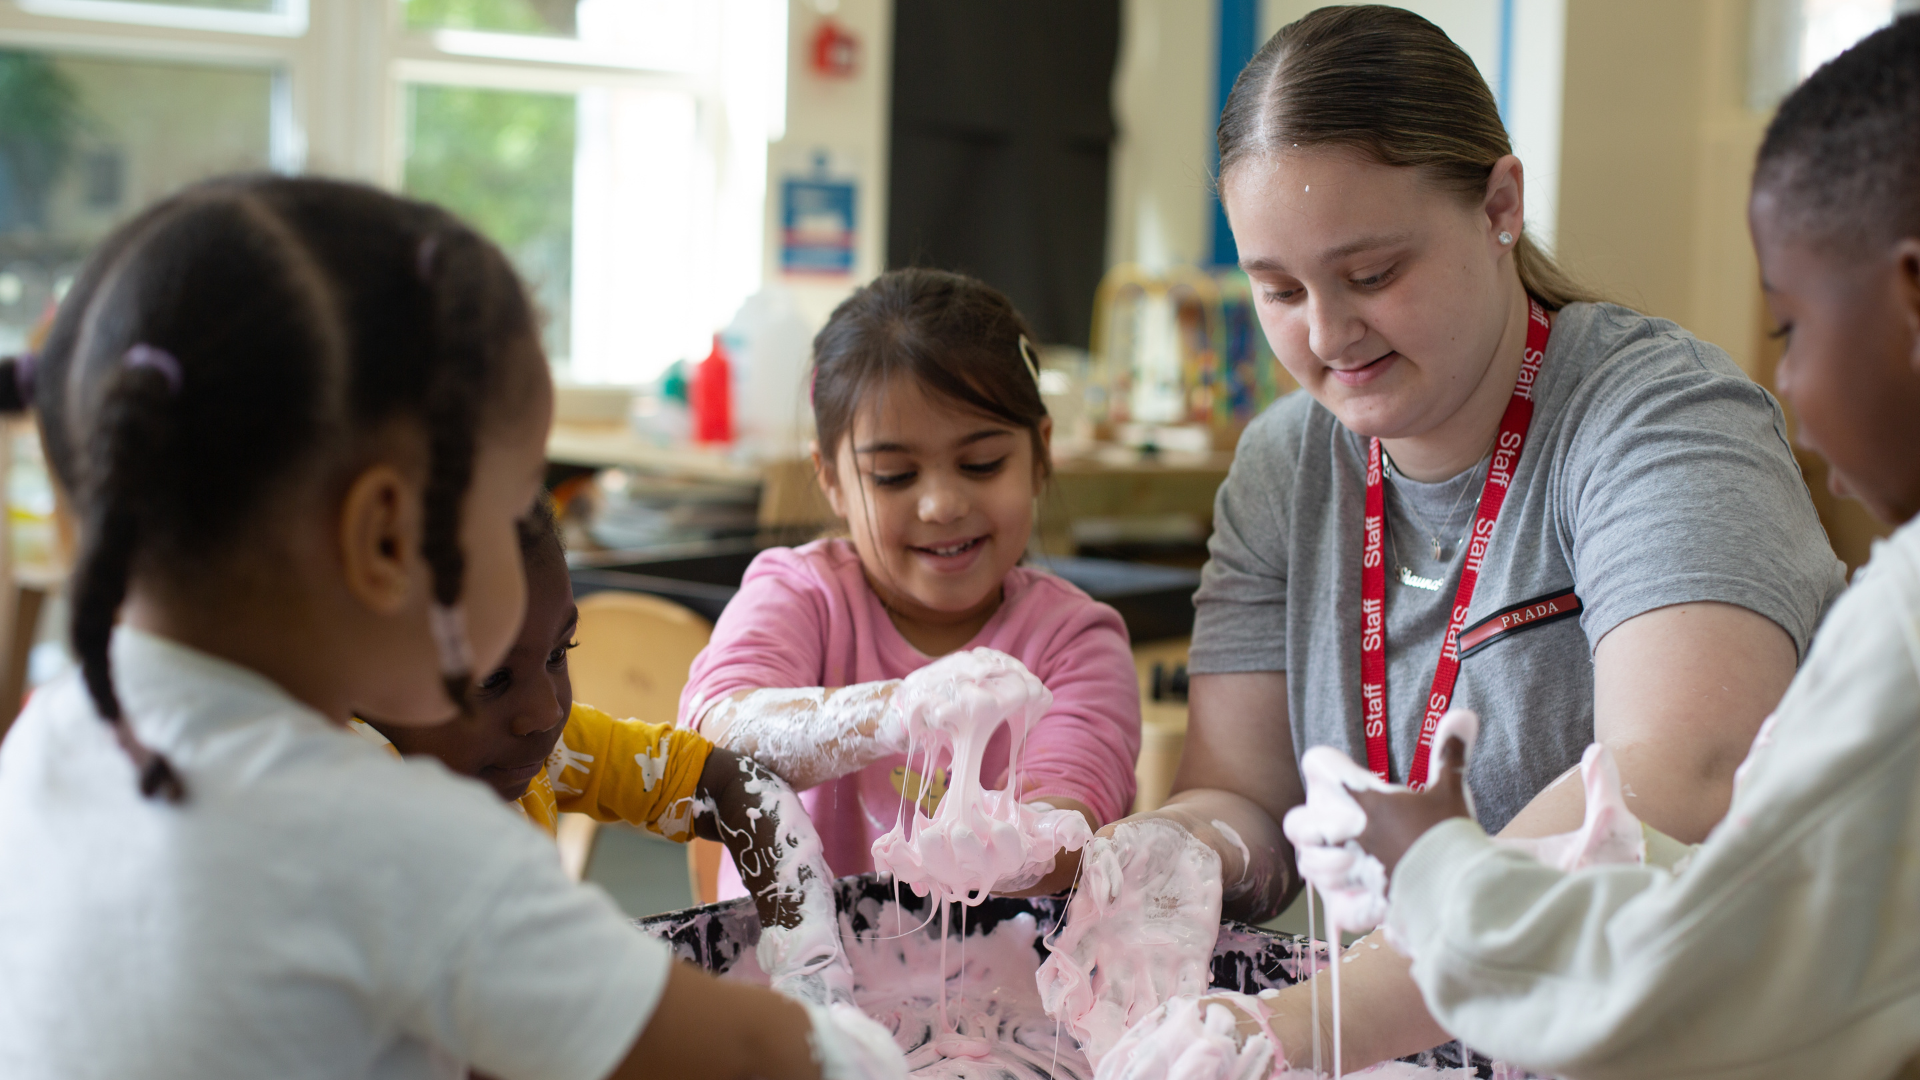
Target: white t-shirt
(1788,946)
(315,908)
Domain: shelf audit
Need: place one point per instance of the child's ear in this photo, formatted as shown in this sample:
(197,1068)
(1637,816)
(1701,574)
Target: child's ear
(828,478)
(1906,262)
(380,529)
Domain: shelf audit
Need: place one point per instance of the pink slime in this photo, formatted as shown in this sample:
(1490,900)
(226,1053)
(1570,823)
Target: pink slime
(977,839)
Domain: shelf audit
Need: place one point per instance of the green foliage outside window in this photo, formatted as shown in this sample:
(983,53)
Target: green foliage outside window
(499,16)
(40,117)
(503,160)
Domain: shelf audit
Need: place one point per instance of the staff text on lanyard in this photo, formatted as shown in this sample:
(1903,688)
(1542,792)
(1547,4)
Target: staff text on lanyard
(1373,568)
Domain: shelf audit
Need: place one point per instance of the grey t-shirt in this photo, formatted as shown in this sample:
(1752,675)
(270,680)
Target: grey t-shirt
(1655,473)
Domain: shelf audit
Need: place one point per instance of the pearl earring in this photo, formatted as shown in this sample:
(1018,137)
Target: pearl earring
(1506,238)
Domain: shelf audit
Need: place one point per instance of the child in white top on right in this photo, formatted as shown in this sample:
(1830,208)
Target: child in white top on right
(299,420)
(1788,944)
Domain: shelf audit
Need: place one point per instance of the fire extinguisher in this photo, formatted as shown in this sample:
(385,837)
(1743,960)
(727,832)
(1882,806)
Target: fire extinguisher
(836,51)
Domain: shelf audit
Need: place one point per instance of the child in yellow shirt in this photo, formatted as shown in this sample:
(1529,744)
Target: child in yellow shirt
(525,736)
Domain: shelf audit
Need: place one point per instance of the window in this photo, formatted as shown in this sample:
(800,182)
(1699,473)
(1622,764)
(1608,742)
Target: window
(86,140)
(615,149)
(1792,38)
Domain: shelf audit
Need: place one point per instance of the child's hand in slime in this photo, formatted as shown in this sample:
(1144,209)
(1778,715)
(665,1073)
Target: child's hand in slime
(781,862)
(1221,1036)
(978,841)
(1349,810)
(1140,930)
(962,693)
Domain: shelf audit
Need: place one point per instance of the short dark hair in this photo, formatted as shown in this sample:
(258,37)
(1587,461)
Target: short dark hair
(953,336)
(243,332)
(1843,153)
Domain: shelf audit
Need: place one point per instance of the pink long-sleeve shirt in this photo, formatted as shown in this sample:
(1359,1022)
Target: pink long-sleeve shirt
(805,616)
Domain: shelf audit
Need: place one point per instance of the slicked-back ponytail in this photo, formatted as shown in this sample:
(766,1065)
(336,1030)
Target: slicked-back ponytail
(1388,84)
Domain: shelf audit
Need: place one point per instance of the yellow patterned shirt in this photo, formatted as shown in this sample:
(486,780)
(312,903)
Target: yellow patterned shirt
(613,770)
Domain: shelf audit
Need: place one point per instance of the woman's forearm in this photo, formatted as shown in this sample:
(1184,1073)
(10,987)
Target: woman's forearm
(1257,877)
(1237,769)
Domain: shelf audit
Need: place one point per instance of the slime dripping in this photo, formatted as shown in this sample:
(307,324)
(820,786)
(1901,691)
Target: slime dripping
(977,838)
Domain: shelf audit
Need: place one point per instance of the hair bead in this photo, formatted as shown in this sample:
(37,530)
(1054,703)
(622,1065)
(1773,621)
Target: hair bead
(26,371)
(150,356)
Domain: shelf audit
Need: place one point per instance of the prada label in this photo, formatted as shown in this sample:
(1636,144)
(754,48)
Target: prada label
(1524,615)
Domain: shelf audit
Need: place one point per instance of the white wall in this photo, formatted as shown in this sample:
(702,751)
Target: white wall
(1160,210)
(849,118)
(1539,72)
(1161,207)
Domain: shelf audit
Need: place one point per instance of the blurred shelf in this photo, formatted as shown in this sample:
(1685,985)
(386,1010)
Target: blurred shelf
(614,445)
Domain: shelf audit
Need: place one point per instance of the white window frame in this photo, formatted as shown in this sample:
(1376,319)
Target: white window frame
(290,20)
(342,67)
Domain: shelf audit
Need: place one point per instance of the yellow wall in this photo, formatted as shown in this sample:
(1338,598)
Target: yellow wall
(1658,140)
(1657,145)
(1160,207)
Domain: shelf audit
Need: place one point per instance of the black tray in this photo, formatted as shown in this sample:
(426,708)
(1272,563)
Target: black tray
(1246,958)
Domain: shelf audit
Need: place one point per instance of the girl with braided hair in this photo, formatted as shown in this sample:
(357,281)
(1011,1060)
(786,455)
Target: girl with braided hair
(299,420)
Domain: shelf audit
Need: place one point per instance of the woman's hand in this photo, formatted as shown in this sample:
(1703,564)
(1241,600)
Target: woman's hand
(1222,1036)
(1139,930)
(1398,818)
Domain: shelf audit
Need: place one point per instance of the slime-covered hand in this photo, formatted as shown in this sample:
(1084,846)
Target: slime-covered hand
(1354,827)
(1610,834)
(964,692)
(1223,1036)
(1140,930)
(847,1045)
(978,840)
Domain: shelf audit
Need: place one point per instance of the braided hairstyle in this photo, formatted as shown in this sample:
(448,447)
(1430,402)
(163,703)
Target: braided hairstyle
(243,336)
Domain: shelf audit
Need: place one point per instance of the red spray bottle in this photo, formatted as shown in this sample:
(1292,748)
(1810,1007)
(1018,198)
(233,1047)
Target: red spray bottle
(710,397)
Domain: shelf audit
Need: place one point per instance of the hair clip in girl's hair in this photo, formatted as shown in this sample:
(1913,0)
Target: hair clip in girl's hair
(448,622)
(423,257)
(26,370)
(1026,353)
(143,355)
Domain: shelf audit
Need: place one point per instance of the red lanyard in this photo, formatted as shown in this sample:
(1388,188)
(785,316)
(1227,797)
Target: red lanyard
(1373,569)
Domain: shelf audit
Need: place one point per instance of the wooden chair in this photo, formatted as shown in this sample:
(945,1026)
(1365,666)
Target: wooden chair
(632,661)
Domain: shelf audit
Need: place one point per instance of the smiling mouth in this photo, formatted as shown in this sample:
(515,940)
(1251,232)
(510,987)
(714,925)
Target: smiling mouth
(1362,367)
(958,547)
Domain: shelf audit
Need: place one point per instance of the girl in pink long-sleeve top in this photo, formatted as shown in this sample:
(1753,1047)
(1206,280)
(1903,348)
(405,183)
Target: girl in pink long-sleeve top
(932,446)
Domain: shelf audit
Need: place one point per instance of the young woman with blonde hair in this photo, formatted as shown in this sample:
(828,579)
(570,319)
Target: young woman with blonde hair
(1495,492)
